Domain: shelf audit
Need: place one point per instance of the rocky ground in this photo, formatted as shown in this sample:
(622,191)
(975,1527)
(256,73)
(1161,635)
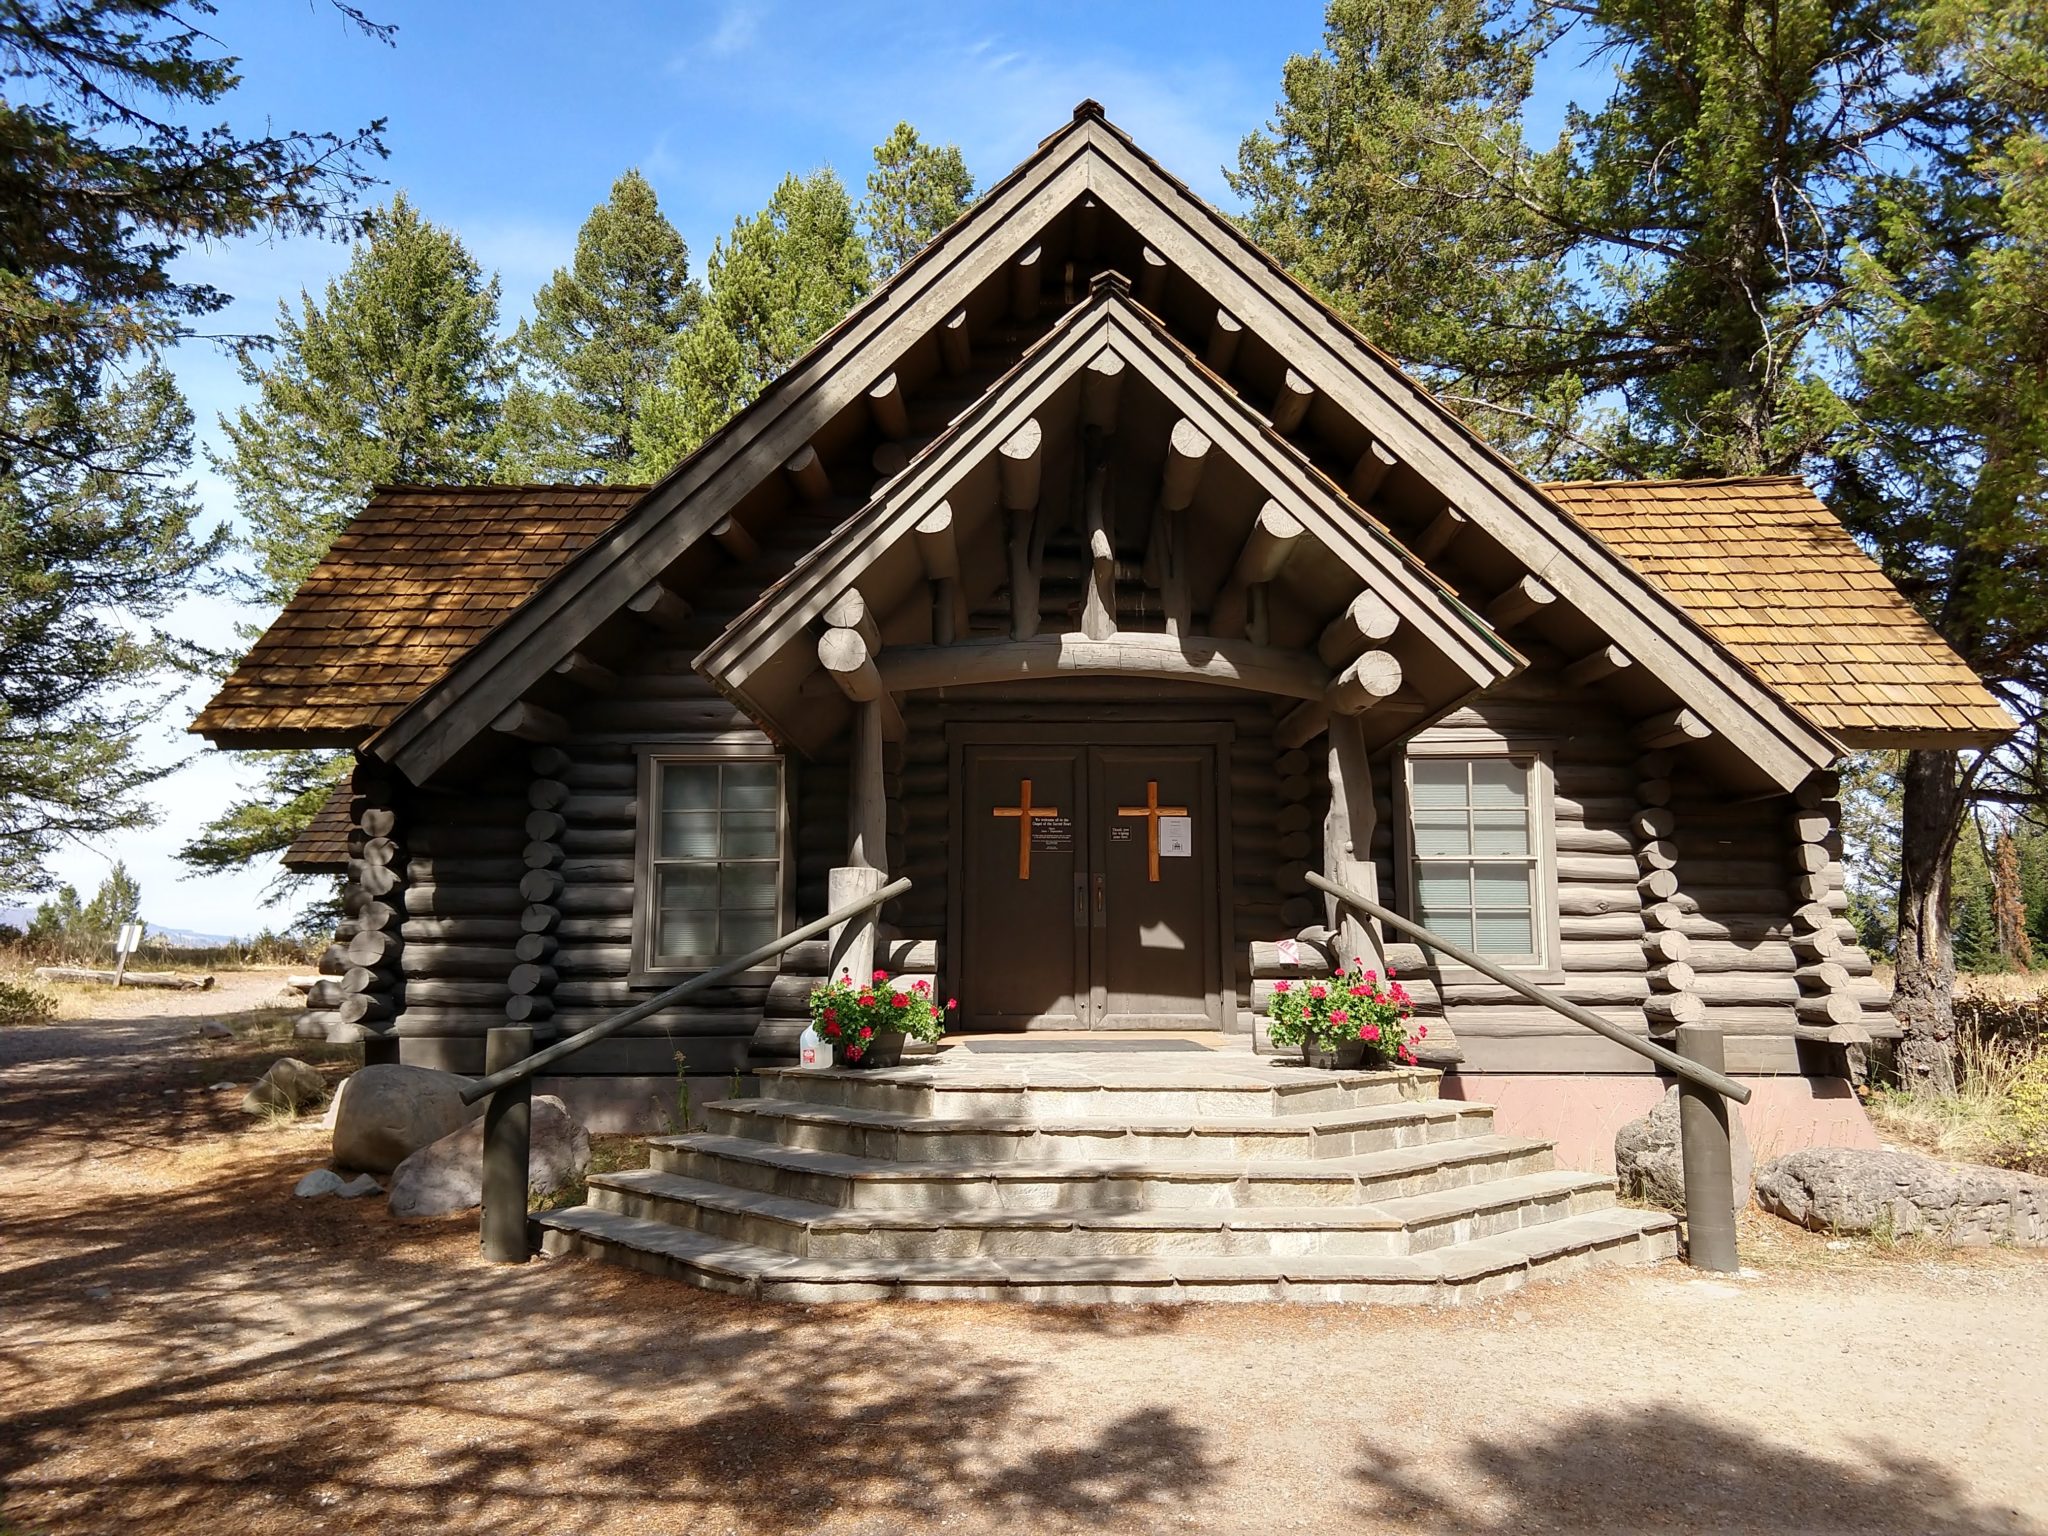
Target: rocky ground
(184,1347)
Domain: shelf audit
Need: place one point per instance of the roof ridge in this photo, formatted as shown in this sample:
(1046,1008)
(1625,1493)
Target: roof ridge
(1646,483)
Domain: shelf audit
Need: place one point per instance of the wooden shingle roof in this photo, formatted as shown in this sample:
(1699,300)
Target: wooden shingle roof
(322,848)
(1766,568)
(410,586)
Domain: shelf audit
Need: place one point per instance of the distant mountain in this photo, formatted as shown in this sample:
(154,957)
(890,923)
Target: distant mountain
(176,938)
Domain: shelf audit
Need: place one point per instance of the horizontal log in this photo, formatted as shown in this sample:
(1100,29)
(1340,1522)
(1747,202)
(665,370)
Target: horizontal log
(333,960)
(528,1009)
(368,978)
(375,947)
(528,978)
(1597,901)
(479,960)
(454,991)
(1829,1008)
(1670,1009)
(460,900)
(364,1008)
(597,810)
(539,917)
(172,981)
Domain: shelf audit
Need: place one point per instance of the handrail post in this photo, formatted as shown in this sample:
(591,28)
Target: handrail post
(1705,1154)
(508,1143)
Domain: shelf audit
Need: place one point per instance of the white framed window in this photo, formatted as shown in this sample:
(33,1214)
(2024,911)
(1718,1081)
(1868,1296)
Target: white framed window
(710,883)
(1480,870)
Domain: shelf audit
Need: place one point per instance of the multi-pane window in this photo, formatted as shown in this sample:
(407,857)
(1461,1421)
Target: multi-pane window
(1477,843)
(715,859)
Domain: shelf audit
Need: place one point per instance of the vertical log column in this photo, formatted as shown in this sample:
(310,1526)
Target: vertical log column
(373,901)
(847,651)
(1298,786)
(533,977)
(1673,1000)
(1347,843)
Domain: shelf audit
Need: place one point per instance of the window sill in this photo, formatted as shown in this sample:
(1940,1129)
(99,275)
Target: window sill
(1464,975)
(657,979)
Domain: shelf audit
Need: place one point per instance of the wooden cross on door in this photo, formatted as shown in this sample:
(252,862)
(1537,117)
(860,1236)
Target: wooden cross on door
(1152,810)
(1026,813)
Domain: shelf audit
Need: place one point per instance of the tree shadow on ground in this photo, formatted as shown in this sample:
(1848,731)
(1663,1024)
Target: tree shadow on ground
(1664,1469)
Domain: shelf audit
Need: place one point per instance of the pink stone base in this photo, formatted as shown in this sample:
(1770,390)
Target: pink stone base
(1582,1113)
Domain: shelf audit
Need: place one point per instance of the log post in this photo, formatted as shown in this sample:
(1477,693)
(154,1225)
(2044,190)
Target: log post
(508,1145)
(1098,599)
(1017,465)
(1187,455)
(940,554)
(1347,841)
(1704,1152)
(867,797)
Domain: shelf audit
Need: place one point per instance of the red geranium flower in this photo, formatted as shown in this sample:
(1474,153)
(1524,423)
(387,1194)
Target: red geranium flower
(952,1002)
(867,1031)
(881,976)
(1279,986)
(832,1029)
(899,1000)
(867,999)
(1318,993)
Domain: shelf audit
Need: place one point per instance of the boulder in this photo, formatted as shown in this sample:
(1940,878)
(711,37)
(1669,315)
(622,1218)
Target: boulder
(383,1114)
(1858,1190)
(448,1176)
(321,1181)
(1647,1164)
(288,1087)
(213,1029)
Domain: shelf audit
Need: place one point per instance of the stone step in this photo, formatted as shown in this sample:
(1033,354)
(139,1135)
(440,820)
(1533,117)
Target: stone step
(805,1228)
(860,1131)
(1234,1087)
(1485,1267)
(861,1183)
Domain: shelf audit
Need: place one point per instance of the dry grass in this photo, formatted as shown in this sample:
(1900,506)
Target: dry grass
(608,1154)
(1996,1114)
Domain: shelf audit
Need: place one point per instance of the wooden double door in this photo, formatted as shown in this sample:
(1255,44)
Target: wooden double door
(1089,875)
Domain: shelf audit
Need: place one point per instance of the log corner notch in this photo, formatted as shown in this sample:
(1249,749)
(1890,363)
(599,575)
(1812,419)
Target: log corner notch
(1666,951)
(1673,728)
(531,981)
(373,903)
(1829,1000)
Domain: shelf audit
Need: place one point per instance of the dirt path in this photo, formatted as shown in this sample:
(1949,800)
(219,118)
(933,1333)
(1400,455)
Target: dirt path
(184,1347)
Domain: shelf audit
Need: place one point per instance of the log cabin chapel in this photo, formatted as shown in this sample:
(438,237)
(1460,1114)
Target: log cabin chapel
(1098,579)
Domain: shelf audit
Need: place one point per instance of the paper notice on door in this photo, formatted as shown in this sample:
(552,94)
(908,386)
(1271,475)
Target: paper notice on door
(1176,837)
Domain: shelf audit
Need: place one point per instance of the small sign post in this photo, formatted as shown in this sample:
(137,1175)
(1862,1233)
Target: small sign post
(129,941)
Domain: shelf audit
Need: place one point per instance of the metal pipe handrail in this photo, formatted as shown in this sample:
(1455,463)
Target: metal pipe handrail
(1669,1060)
(561,1050)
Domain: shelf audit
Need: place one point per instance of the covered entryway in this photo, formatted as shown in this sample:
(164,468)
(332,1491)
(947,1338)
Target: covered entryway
(1088,883)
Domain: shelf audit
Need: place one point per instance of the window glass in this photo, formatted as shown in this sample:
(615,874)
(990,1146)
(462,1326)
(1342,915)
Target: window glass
(1476,852)
(716,860)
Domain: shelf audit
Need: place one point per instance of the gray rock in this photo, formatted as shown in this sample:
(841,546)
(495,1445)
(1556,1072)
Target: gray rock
(321,1181)
(1858,1190)
(308,1028)
(448,1176)
(213,1029)
(1648,1166)
(385,1113)
(288,1087)
(362,1184)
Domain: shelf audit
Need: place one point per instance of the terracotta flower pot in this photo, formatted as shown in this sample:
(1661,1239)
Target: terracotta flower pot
(1348,1057)
(884,1049)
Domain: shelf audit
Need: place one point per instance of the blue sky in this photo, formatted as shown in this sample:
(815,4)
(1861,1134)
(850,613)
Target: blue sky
(508,121)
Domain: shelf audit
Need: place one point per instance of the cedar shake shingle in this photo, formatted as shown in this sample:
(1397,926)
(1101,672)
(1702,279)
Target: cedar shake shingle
(1771,573)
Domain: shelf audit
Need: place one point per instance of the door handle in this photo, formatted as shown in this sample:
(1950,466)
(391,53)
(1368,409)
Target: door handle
(1101,904)
(1080,901)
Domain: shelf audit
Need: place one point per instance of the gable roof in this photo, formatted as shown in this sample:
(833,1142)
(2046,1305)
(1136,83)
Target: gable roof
(1766,567)
(408,589)
(321,848)
(1090,160)
(1465,654)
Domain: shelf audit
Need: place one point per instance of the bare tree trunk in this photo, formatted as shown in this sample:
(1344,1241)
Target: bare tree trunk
(1924,999)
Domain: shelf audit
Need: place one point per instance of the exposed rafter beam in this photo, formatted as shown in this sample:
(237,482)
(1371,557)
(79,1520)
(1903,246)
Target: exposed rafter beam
(1290,405)
(939,551)
(659,606)
(1275,534)
(889,460)
(731,535)
(1673,728)
(806,471)
(1523,600)
(1442,532)
(529,722)
(850,663)
(849,610)
(1603,663)
(1370,472)
(1151,278)
(956,348)
(1301,725)
(1101,388)
(1017,466)
(1187,454)
(579,671)
(1364,621)
(886,404)
(1225,331)
(1027,280)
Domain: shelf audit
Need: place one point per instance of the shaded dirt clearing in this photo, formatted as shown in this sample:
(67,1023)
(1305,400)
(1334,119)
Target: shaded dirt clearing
(183,1347)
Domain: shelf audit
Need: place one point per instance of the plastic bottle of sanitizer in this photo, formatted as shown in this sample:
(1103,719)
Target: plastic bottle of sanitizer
(811,1050)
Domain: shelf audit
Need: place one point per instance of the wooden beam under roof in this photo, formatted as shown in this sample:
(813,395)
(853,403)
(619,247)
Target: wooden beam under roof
(1673,728)
(806,471)
(956,347)
(1187,454)
(1224,663)
(1151,278)
(1290,405)
(1370,472)
(1364,621)
(659,606)
(1274,536)
(1599,664)
(1523,600)
(887,406)
(1101,389)
(1225,331)
(1027,281)
(1441,532)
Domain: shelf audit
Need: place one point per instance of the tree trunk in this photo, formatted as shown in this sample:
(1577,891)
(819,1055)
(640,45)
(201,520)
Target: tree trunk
(1924,999)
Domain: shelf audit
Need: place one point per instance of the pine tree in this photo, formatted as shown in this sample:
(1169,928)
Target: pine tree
(603,330)
(118,901)
(396,377)
(104,190)
(293,787)
(782,279)
(915,190)
(1374,185)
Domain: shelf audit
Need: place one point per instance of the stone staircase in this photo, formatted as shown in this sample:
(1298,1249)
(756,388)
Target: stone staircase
(1104,1178)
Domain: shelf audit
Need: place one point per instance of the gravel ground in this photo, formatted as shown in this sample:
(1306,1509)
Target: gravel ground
(184,1347)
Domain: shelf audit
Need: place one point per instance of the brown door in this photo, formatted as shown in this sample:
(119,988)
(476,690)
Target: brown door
(1089,897)
(1153,841)
(1024,904)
